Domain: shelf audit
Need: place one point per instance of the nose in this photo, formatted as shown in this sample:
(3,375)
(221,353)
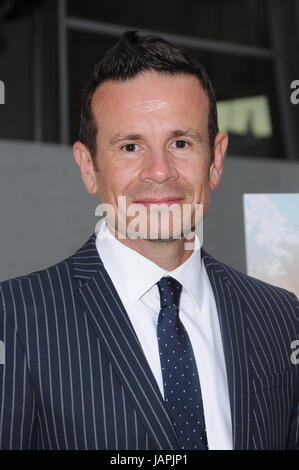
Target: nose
(158,167)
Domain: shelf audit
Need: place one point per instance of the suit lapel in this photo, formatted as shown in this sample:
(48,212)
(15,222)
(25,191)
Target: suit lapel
(231,312)
(103,306)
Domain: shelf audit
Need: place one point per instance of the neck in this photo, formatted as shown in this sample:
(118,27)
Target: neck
(168,254)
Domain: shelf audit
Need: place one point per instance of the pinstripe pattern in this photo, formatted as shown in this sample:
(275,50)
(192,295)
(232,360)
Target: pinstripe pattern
(75,376)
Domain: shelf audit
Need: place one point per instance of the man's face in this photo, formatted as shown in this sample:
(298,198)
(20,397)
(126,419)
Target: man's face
(153,142)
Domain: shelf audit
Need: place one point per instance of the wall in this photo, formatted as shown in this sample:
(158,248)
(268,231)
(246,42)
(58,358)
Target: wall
(46,214)
(45,211)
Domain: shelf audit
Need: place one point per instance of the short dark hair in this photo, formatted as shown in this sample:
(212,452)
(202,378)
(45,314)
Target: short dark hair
(132,55)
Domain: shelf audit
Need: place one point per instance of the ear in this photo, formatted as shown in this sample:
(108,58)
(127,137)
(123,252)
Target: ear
(84,161)
(216,167)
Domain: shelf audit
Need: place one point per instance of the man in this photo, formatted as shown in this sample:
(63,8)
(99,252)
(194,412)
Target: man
(138,342)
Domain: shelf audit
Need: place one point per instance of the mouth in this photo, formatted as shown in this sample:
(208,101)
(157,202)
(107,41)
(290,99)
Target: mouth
(168,200)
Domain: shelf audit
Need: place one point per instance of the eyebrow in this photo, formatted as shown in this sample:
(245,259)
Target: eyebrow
(119,138)
(195,135)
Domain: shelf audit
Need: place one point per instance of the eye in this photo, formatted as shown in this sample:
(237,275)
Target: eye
(181,144)
(130,147)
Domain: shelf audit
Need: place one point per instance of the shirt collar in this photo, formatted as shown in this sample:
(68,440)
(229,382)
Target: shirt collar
(133,274)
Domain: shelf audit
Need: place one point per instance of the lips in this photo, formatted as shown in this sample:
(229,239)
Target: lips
(160,200)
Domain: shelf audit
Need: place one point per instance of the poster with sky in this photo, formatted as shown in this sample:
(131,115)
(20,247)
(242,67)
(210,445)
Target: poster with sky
(272,238)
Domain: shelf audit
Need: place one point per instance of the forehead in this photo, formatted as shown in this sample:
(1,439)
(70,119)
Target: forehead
(149,95)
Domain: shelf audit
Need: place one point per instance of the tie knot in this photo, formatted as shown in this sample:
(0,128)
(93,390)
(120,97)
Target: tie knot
(170,291)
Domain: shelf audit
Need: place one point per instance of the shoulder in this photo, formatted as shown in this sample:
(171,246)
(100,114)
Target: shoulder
(28,291)
(39,288)
(51,276)
(259,297)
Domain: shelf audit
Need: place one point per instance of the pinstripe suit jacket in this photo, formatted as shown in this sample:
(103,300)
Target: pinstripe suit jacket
(75,376)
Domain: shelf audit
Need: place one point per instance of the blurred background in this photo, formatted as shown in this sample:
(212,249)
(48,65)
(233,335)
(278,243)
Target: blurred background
(250,49)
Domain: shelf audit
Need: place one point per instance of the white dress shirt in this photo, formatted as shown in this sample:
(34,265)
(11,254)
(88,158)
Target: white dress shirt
(135,278)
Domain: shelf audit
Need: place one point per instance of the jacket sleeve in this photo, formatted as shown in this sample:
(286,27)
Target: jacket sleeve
(17,399)
(293,443)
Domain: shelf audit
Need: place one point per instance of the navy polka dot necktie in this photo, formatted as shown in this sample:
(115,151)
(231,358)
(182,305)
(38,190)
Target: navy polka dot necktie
(182,392)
